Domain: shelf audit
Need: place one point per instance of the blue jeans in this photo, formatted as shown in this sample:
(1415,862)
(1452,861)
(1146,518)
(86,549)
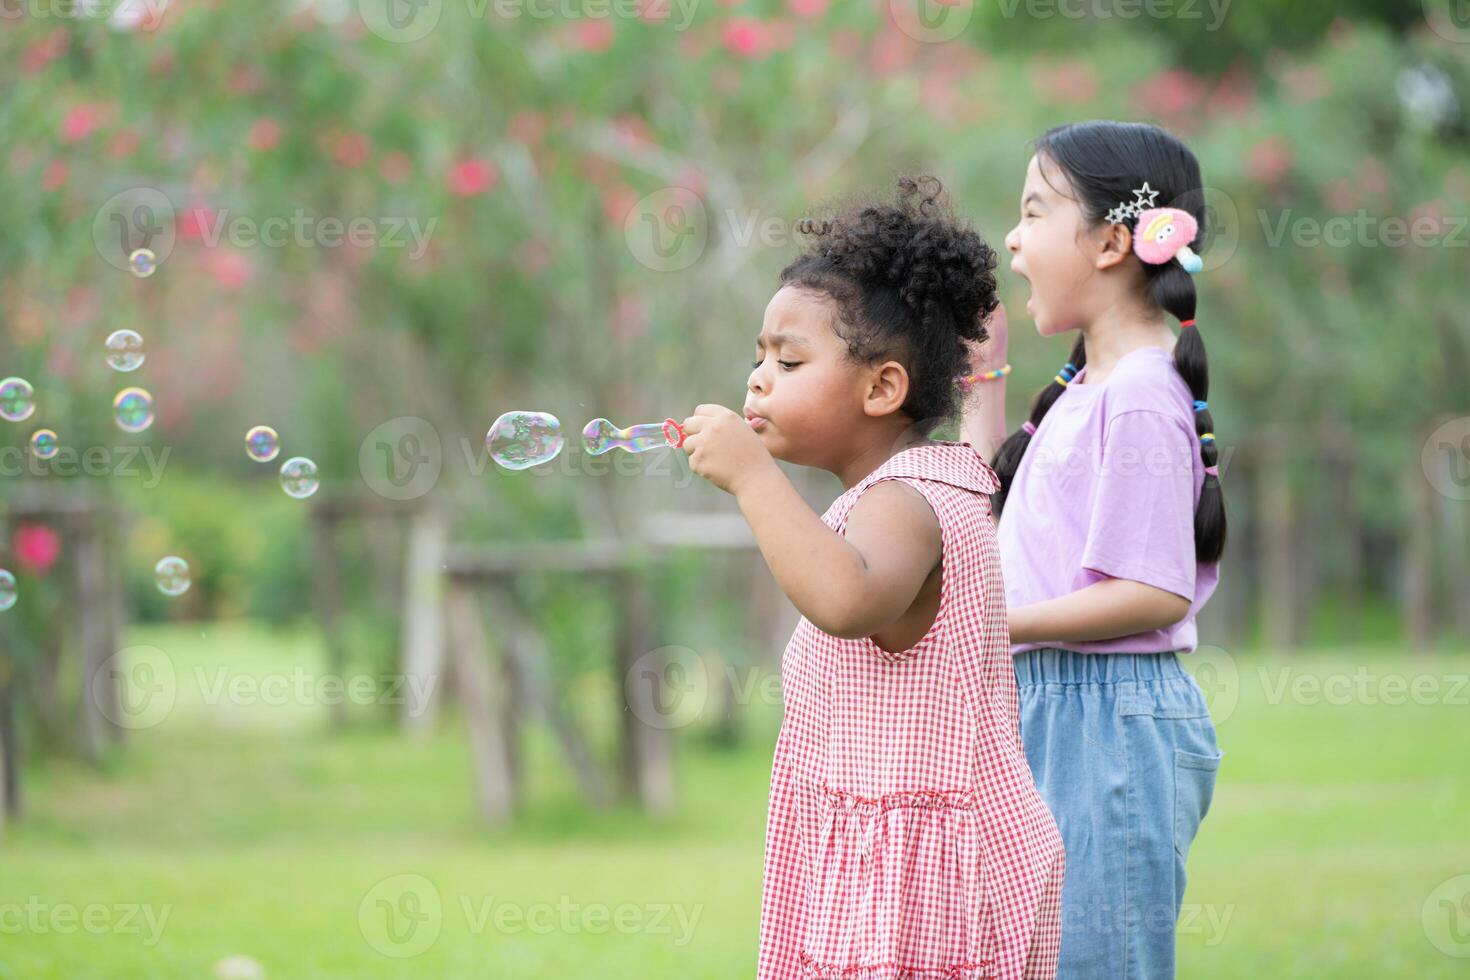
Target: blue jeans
(1123,751)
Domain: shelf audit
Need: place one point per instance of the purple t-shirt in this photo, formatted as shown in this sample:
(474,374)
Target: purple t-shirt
(1107,489)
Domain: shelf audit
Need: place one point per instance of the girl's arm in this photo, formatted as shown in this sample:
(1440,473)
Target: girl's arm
(1112,607)
(852,586)
(983,409)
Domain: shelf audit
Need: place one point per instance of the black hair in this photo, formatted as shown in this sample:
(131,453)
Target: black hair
(1104,162)
(911,282)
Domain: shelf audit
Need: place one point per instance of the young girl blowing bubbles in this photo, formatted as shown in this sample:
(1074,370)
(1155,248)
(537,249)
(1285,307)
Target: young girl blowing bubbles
(1112,529)
(905,837)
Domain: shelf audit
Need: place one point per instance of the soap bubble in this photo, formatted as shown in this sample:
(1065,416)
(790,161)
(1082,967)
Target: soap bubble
(143,263)
(600,436)
(133,408)
(17,399)
(124,350)
(262,444)
(44,444)
(7,590)
(299,478)
(172,575)
(519,440)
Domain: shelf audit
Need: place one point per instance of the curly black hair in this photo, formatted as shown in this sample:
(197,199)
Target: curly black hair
(911,282)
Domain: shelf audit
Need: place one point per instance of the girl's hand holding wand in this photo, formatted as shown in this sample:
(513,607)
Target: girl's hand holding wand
(725,450)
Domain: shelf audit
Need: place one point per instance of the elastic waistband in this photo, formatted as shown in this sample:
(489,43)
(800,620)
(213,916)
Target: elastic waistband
(1053,665)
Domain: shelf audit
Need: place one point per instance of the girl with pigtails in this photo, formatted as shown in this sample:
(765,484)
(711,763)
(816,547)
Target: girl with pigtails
(1111,527)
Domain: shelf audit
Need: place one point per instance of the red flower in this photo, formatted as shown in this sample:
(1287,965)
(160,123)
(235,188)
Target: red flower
(55,176)
(195,222)
(352,149)
(1235,94)
(746,37)
(265,133)
(1269,160)
(37,546)
(1064,81)
(78,124)
(471,177)
(41,53)
(892,52)
(631,130)
(809,9)
(1169,93)
(593,35)
(617,202)
(229,268)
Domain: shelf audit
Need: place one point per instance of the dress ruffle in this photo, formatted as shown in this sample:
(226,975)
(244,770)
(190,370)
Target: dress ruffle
(889,862)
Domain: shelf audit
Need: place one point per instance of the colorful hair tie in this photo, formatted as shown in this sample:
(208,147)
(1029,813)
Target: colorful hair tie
(1028,427)
(1186,323)
(1213,471)
(1068,372)
(1207,437)
(965,384)
(1200,406)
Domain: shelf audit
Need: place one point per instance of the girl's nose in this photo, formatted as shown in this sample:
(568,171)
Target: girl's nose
(1013,239)
(754,381)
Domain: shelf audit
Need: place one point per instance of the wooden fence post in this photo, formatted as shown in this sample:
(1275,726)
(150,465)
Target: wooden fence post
(483,706)
(327,597)
(422,655)
(647,756)
(91,600)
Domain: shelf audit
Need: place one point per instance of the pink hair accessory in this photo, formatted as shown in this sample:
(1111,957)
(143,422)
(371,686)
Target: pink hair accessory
(1213,470)
(1162,234)
(1028,428)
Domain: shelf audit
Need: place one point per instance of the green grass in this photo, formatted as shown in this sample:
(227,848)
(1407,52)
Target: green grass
(258,831)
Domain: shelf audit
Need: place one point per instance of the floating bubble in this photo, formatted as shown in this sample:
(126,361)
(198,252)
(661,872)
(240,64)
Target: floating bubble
(133,409)
(299,477)
(172,575)
(44,444)
(519,440)
(125,350)
(17,399)
(262,444)
(7,590)
(600,436)
(143,263)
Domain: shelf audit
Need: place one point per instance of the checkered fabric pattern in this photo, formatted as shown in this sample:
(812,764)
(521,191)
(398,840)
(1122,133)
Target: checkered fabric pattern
(905,839)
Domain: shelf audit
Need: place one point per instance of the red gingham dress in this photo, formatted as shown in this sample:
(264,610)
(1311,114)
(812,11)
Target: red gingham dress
(905,839)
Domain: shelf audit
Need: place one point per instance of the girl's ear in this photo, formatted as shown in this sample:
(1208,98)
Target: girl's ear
(887,389)
(1115,245)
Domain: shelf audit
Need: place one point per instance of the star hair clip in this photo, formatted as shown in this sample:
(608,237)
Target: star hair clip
(1159,234)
